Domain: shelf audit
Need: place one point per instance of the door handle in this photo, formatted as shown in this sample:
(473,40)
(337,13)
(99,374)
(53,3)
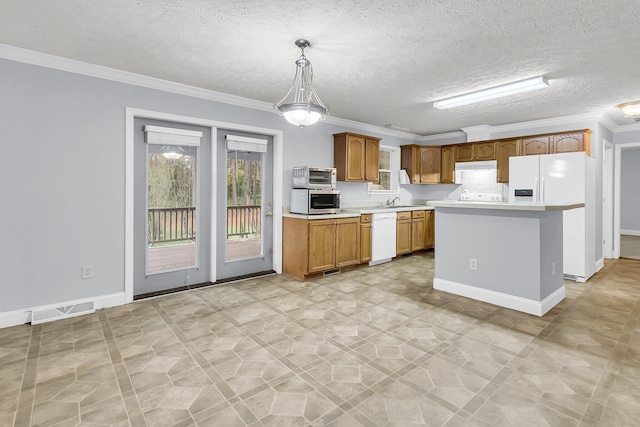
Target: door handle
(269,213)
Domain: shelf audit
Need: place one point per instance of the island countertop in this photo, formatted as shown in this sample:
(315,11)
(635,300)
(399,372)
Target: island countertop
(517,206)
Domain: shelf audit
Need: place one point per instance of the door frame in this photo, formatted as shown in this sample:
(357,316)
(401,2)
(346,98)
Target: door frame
(608,198)
(278,153)
(616,206)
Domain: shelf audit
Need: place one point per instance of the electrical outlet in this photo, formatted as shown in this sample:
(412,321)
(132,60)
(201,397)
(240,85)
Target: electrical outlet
(553,268)
(87,271)
(473,264)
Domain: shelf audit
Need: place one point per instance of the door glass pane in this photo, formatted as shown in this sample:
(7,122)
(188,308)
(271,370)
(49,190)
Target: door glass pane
(244,200)
(171,204)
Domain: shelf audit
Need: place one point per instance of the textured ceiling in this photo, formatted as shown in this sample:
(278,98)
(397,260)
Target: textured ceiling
(377,62)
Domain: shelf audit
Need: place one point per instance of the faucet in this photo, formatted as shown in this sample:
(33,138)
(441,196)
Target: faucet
(391,202)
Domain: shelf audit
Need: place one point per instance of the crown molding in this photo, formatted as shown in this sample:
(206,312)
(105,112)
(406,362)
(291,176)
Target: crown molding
(98,71)
(72,66)
(634,127)
(439,136)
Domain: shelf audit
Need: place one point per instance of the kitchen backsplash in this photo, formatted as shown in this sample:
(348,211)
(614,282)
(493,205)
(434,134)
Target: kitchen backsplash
(481,181)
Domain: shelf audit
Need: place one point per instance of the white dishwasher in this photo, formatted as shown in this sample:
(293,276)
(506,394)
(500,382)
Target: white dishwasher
(383,237)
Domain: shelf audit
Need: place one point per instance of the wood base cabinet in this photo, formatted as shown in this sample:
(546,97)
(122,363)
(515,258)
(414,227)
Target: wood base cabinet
(410,231)
(314,246)
(365,238)
(430,229)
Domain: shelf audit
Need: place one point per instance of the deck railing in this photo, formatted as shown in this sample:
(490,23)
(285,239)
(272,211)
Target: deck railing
(167,225)
(243,221)
(171,225)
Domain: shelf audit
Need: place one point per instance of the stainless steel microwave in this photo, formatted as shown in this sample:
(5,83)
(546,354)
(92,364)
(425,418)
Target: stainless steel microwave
(314,178)
(305,201)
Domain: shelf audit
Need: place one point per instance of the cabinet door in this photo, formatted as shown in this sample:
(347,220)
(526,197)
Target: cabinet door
(322,245)
(365,242)
(447,165)
(429,165)
(372,159)
(417,234)
(505,149)
(347,243)
(484,150)
(403,236)
(430,229)
(568,143)
(536,145)
(355,158)
(464,152)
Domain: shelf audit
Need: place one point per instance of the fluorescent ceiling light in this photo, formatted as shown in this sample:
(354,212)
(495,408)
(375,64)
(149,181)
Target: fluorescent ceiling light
(493,92)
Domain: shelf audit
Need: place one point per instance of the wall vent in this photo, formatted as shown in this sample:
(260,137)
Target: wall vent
(55,313)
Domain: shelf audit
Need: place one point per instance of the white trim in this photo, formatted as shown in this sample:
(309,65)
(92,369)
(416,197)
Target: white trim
(607,198)
(278,153)
(459,134)
(628,232)
(633,127)
(616,198)
(538,308)
(22,316)
(599,264)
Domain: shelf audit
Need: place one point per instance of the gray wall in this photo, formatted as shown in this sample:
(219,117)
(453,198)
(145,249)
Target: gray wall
(629,194)
(63,178)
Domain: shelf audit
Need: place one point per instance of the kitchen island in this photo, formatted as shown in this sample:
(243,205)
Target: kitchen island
(507,254)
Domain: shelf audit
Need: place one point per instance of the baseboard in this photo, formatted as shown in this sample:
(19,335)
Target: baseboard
(630,232)
(20,317)
(537,308)
(599,264)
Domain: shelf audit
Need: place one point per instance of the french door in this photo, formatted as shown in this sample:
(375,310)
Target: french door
(244,204)
(172,205)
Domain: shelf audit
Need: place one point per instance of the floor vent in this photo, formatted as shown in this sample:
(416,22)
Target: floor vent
(56,313)
(330,272)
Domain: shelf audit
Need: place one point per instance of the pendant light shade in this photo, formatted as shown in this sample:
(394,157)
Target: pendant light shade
(301,106)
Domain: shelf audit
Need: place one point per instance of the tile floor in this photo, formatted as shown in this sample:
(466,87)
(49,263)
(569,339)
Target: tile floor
(371,347)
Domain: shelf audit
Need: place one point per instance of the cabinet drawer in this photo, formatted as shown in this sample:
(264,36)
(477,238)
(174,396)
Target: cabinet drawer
(417,214)
(365,218)
(404,215)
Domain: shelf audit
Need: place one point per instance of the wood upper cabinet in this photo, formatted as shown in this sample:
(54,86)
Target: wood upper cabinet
(365,238)
(536,145)
(422,163)
(314,246)
(565,142)
(484,150)
(429,229)
(356,157)
(504,150)
(447,164)
(570,142)
(475,151)
(464,152)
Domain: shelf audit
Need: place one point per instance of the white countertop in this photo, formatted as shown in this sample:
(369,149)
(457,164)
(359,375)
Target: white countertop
(519,206)
(381,209)
(357,211)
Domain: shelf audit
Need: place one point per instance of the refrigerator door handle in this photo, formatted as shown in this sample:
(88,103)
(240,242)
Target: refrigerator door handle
(542,189)
(535,189)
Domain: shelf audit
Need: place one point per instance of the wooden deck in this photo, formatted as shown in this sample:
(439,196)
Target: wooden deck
(181,256)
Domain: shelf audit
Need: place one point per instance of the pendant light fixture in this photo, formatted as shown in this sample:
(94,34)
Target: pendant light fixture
(301,106)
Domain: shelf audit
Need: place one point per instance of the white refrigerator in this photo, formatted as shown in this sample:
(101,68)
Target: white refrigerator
(563,178)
